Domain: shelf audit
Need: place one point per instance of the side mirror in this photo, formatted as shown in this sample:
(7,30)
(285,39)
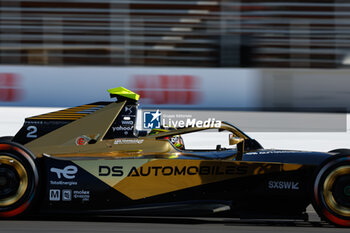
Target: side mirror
(234,140)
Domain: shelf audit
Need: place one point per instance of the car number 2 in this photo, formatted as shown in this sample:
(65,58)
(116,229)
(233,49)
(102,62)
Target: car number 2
(32,130)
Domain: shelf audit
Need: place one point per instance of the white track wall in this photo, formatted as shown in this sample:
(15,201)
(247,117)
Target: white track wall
(188,88)
(161,87)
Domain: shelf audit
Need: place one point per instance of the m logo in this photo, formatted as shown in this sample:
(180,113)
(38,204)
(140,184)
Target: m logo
(152,120)
(67,172)
(55,195)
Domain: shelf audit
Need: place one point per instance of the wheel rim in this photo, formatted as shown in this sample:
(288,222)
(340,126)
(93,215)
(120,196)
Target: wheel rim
(331,198)
(13,182)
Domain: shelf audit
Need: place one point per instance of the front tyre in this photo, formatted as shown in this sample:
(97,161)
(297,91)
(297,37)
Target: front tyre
(331,191)
(19,179)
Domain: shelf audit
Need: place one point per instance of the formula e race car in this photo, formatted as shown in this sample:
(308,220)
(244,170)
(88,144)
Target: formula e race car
(92,159)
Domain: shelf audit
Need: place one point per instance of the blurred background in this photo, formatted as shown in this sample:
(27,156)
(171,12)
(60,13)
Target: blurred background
(249,55)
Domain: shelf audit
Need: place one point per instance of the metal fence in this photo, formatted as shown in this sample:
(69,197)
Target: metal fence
(214,33)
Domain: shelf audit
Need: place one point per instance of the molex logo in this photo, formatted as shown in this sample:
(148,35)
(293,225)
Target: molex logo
(152,119)
(66,195)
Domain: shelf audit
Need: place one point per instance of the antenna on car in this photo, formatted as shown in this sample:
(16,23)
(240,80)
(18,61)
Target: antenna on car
(122,93)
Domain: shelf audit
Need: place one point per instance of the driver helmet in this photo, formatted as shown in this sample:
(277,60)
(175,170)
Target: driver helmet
(176,140)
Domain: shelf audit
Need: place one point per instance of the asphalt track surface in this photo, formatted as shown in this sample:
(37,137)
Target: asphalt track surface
(161,225)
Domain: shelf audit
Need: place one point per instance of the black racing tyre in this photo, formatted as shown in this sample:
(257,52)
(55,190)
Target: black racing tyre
(19,179)
(6,139)
(342,151)
(331,191)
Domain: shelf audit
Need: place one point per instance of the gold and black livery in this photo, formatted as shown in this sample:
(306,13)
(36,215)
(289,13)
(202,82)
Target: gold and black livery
(92,159)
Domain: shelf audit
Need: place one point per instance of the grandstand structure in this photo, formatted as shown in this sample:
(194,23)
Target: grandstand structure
(193,33)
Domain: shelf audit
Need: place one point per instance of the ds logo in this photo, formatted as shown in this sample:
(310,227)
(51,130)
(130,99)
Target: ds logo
(67,172)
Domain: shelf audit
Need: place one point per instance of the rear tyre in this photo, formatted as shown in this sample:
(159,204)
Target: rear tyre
(331,191)
(6,139)
(19,179)
(342,151)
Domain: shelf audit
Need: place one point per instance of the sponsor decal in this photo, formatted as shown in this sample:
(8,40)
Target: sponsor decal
(122,128)
(129,112)
(84,195)
(32,122)
(171,170)
(152,119)
(54,195)
(126,129)
(68,172)
(271,152)
(66,183)
(35,122)
(128,141)
(290,185)
(133,177)
(127,122)
(82,140)
(128,109)
(66,195)
(167,89)
(211,122)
